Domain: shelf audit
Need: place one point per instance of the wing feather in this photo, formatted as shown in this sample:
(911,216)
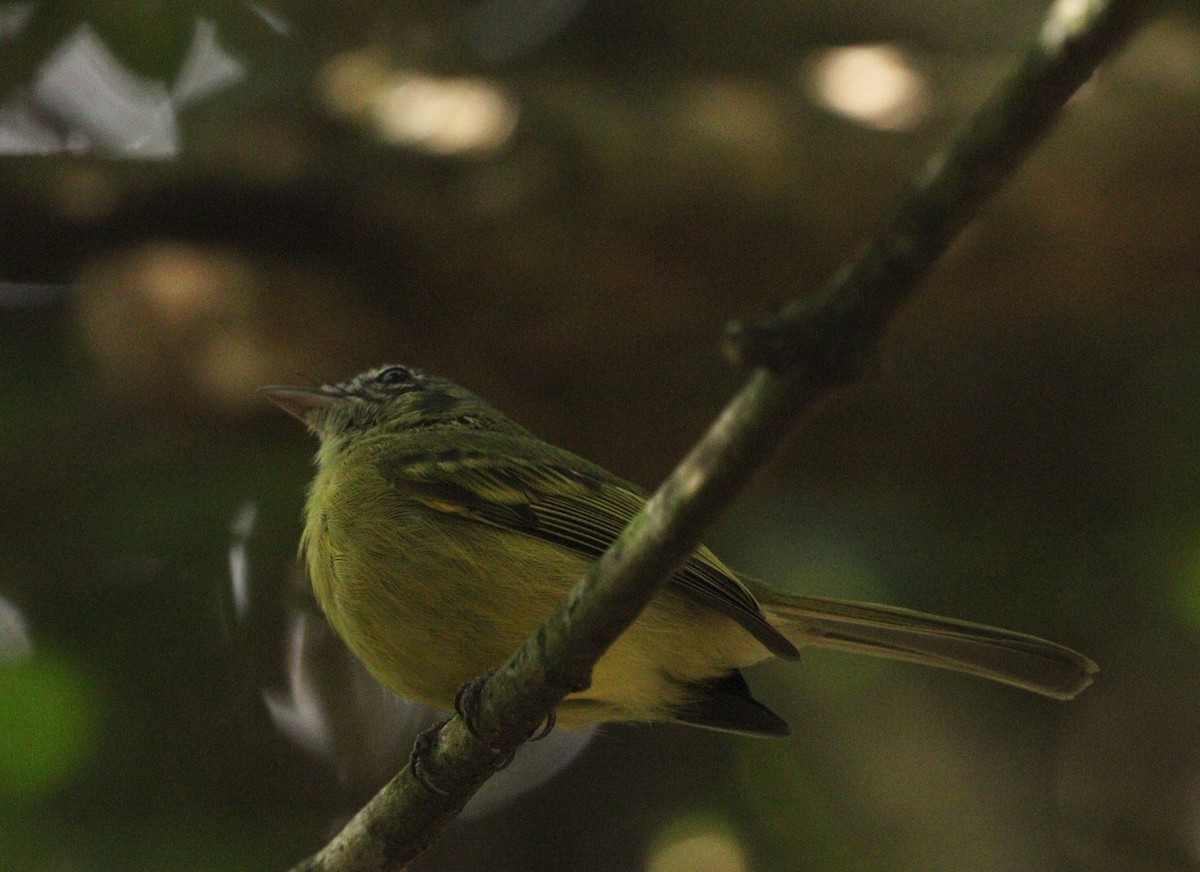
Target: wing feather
(515,482)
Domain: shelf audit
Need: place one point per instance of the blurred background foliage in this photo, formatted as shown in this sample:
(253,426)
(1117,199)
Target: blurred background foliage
(560,204)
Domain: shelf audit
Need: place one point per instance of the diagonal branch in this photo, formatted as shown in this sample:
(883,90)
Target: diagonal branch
(809,348)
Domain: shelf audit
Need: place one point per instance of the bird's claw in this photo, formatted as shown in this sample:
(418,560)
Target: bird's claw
(467,702)
(546,728)
(467,705)
(420,752)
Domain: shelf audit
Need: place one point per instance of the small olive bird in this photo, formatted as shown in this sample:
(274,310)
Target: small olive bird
(439,534)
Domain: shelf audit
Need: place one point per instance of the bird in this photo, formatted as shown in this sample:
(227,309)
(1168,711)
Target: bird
(439,533)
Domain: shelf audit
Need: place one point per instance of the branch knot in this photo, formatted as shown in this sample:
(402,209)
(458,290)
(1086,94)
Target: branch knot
(810,334)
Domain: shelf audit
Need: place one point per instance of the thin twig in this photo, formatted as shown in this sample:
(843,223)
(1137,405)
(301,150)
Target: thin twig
(809,348)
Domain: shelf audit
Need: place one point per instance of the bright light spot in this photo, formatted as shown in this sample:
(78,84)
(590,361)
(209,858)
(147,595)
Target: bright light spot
(15,642)
(444,115)
(182,285)
(300,712)
(207,67)
(1065,19)
(239,562)
(272,19)
(82,98)
(116,111)
(695,847)
(872,84)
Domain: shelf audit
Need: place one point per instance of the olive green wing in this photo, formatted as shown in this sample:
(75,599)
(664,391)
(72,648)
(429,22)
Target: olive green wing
(519,483)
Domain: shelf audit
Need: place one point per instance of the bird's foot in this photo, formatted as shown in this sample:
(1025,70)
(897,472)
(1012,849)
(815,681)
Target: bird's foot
(467,701)
(420,753)
(467,704)
(546,728)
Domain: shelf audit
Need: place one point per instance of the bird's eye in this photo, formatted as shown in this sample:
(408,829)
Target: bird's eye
(395,375)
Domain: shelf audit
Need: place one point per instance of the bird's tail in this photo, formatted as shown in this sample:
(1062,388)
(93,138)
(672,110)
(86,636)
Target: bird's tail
(902,634)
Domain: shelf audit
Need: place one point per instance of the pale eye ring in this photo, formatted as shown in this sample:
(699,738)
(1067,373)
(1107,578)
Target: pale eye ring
(395,375)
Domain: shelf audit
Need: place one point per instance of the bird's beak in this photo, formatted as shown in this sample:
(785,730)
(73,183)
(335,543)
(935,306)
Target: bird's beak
(299,402)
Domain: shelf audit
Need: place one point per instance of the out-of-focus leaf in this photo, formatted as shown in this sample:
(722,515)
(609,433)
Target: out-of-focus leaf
(48,724)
